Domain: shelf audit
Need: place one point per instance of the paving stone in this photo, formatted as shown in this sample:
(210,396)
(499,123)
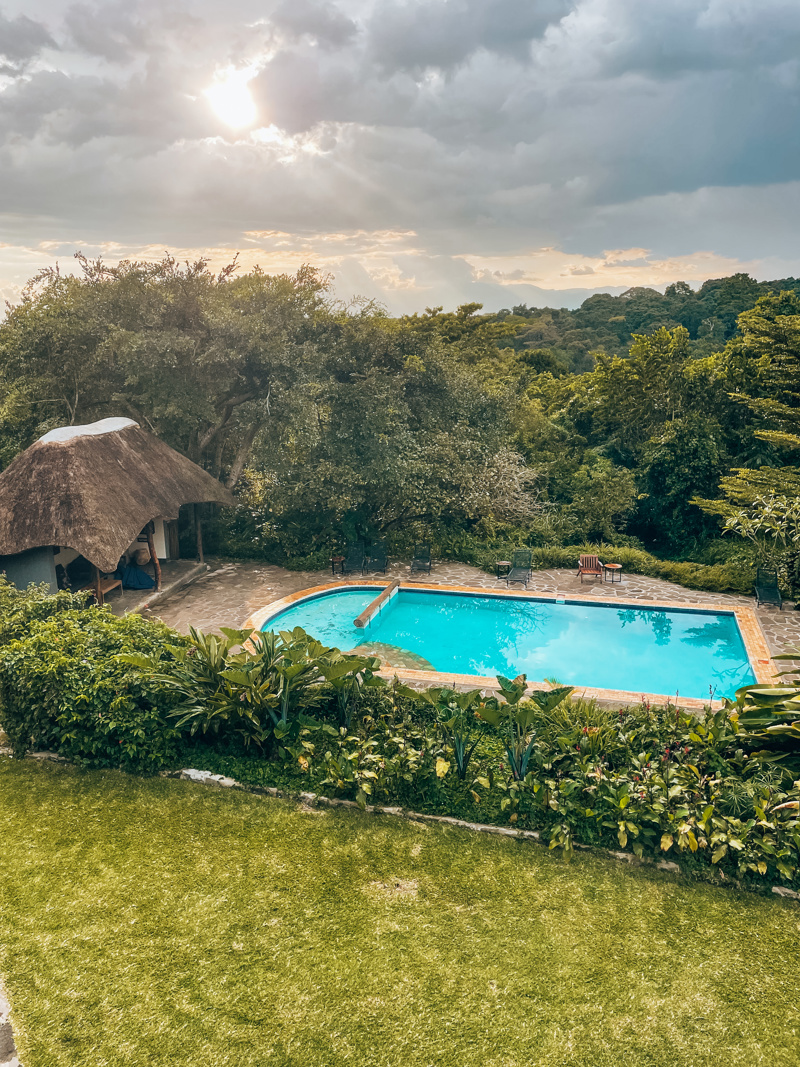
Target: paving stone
(782,891)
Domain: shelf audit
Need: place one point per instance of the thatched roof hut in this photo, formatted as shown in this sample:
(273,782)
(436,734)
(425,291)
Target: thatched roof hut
(93,488)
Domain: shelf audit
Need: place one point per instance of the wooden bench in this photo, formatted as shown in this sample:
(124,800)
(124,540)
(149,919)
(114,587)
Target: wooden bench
(101,586)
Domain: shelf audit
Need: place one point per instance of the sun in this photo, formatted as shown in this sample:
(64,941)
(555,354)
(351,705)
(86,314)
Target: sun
(230,98)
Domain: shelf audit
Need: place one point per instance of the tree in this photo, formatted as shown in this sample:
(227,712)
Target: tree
(683,461)
(603,498)
(763,372)
(202,360)
(394,431)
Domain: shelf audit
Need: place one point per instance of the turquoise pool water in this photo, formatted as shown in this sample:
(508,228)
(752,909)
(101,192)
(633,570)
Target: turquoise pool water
(606,646)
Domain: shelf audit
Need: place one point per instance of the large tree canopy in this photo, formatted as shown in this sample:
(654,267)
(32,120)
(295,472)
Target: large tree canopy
(622,418)
(200,359)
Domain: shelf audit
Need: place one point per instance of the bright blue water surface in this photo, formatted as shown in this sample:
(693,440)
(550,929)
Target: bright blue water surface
(605,646)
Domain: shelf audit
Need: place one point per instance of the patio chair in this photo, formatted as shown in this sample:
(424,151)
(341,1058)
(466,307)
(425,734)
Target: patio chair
(520,570)
(766,587)
(422,558)
(590,566)
(378,559)
(353,558)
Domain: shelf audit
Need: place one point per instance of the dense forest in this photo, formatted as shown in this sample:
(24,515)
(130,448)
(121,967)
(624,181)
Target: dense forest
(643,419)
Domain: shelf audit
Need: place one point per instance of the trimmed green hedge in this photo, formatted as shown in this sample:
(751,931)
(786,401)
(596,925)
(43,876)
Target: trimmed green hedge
(62,687)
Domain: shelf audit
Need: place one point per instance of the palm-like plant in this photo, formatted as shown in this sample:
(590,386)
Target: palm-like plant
(769,715)
(259,685)
(456,714)
(516,720)
(349,676)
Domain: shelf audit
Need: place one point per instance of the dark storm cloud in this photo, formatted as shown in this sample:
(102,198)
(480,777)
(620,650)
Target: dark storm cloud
(320,21)
(418,35)
(21,39)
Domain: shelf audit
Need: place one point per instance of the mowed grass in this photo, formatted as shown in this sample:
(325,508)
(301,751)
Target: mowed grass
(159,922)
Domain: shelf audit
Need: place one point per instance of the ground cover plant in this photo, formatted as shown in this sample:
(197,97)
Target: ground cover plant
(160,922)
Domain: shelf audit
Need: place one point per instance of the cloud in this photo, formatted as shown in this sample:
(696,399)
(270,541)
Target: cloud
(110,31)
(321,22)
(442,34)
(21,40)
(638,142)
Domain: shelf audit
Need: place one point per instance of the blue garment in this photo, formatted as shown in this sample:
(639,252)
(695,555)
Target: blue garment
(134,577)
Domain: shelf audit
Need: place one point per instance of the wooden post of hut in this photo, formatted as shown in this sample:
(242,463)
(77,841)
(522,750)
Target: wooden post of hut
(198,529)
(154,556)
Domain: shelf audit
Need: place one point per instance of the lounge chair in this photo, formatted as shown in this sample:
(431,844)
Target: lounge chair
(766,587)
(353,558)
(520,570)
(590,566)
(422,558)
(378,559)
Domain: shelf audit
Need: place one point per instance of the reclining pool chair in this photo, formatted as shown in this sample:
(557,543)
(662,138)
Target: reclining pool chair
(590,566)
(766,587)
(422,558)
(378,559)
(520,567)
(353,558)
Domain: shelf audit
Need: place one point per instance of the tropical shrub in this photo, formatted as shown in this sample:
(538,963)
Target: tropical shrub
(258,685)
(393,755)
(768,718)
(459,718)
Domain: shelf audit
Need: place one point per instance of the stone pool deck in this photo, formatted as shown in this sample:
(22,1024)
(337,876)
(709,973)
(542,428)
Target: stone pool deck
(230,592)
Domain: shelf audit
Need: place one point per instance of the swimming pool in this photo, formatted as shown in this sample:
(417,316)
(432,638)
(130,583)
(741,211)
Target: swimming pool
(634,648)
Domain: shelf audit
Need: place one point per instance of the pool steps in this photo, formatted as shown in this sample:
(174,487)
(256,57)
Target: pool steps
(375,607)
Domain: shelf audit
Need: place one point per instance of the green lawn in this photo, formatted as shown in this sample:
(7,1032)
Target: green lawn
(157,922)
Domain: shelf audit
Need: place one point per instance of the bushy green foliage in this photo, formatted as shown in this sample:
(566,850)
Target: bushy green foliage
(339,423)
(20,609)
(652,779)
(64,687)
(257,685)
(769,717)
(708,314)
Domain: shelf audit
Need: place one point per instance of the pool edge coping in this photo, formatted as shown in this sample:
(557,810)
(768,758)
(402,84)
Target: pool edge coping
(755,644)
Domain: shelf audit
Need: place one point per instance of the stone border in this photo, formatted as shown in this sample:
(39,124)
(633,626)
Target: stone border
(8,1049)
(752,635)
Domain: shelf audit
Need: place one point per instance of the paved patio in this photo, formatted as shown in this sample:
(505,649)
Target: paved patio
(228,593)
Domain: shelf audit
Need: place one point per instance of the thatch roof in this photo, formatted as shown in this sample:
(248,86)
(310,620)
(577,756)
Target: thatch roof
(93,488)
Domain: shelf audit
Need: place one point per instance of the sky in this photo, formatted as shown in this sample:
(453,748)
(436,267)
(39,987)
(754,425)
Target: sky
(421,152)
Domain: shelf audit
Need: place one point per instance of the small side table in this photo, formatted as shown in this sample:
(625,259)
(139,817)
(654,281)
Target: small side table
(337,561)
(612,569)
(503,565)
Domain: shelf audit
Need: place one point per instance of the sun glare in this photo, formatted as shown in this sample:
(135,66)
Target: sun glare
(230,98)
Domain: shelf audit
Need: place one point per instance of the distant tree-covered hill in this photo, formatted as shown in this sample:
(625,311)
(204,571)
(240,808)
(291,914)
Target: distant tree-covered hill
(608,323)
